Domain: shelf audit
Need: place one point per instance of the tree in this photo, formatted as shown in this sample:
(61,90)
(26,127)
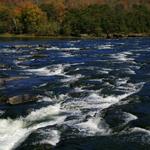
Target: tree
(4,18)
(50,10)
(28,17)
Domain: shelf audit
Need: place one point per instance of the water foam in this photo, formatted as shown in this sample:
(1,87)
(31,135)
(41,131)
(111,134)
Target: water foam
(95,103)
(48,71)
(72,78)
(103,47)
(13,132)
(53,48)
(137,129)
(93,126)
(49,136)
(71,48)
(123,57)
(129,117)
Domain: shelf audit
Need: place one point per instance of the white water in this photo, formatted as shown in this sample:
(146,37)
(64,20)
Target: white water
(48,71)
(72,78)
(129,117)
(103,47)
(50,137)
(95,103)
(124,57)
(13,132)
(93,126)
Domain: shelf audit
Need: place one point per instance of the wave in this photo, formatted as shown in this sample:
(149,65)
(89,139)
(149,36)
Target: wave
(93,105)
(124,56)
(64,49)
(48,71)
(103,47)
(14,132)
(94,126)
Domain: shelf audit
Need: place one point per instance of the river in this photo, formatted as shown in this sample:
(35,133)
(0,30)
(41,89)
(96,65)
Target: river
(93,94)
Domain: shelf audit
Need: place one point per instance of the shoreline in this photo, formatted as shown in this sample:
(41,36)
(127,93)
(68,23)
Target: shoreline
(84,36)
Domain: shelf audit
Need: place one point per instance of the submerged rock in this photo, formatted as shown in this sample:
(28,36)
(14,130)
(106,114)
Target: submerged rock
(19,99)
(3,98)
(2,82)
(2,66)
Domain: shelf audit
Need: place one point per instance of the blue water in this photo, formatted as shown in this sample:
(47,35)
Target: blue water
(92,94)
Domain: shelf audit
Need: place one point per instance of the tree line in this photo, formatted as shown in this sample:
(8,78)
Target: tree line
(54,19)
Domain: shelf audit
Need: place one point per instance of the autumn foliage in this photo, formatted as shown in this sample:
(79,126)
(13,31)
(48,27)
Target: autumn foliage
(74,17)
(27,17)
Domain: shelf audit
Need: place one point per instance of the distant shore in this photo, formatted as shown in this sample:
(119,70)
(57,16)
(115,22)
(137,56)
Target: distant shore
(82,36)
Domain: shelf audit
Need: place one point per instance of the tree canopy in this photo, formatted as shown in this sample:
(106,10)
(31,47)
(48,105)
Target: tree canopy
(74,17)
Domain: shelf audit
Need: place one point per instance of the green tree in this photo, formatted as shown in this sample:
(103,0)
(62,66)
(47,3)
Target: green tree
(4,19)
(50,10)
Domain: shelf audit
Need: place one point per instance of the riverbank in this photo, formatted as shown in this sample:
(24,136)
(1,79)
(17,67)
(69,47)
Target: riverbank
(82,36)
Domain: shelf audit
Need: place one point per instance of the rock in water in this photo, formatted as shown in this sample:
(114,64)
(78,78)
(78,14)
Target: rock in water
(3,99)
(19,99)
(2,82)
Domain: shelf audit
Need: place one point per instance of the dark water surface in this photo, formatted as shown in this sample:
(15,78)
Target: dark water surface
(94,94)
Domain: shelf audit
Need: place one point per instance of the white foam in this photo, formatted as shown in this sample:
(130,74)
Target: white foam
(103,71)
(72,78)
(48,71)
(107,46)
(50,137)
(78,89)
(53,48)
(13,132)
(94,125)
(43,112)
(45,99)
(7,50)
(128,53)
(137,129)
(123,57)
(70,48)
(122,81)
(2,112)
(95,103)
(129,117)
(97,80)
(105,102)
(67,55)
(66,48)
(42,85)
(130,71)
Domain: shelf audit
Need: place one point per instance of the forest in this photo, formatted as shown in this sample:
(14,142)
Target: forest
(76,18)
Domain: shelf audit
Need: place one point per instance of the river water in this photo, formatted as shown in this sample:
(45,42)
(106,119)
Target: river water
(93,94)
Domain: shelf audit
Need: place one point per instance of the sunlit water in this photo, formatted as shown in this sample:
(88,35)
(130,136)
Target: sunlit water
(94,94)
